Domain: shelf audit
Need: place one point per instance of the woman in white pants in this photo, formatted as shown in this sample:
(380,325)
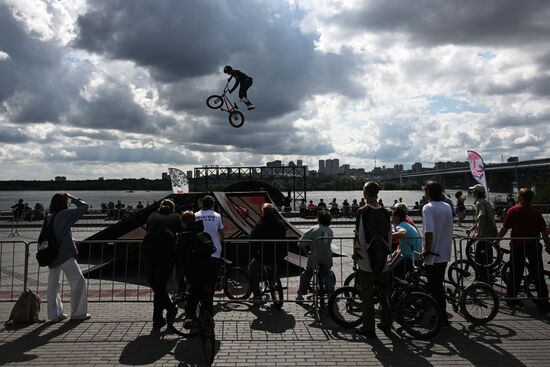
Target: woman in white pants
(63,218)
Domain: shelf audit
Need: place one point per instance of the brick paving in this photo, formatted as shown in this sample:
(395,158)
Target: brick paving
(120,333)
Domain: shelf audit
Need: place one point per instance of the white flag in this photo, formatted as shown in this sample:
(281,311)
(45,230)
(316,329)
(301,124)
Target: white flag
(179,181)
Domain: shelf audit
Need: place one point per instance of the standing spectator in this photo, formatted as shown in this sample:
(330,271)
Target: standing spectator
(213,225)
(311,209)
(354,207)
(526,221)
(38,212)
(334,207)
(139,205)
(120,209)
(362,202)
(61,219)
(380,202)
(17,209)
(212,222)
(409,240)
(269,227)
(447,199)
(322,205)
(438,240)
(158,259)
(485,229)
(303,208)
(373,231)
(346,212)
(195,259)
(319,254)
(460,208)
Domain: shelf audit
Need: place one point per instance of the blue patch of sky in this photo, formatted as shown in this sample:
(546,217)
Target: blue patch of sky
(444,104)
(486,55)
(71,59)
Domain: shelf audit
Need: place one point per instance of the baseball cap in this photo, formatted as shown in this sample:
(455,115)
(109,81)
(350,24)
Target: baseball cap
(478,188)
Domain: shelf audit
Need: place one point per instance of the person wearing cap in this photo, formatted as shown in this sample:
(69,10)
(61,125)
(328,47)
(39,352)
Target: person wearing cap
(526,221)
(485,228)
(158,254)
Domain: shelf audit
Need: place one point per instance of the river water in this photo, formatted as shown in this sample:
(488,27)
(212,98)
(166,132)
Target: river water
(95,198)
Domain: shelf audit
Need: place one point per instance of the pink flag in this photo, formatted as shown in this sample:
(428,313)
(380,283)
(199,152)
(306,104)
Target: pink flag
(477,168)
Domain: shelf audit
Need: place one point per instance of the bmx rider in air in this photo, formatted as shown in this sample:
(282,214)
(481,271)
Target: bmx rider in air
(240,79)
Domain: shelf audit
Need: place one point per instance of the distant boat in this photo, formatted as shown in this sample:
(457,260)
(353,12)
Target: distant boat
(129,190)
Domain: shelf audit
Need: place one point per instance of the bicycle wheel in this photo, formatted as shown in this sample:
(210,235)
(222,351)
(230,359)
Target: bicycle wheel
(345,307)
(236,119)
(276,292)
(420,316)
(207,335)
(479,303)
(214,102)
(460,272)
(352,280)
(236,283)
(471,255)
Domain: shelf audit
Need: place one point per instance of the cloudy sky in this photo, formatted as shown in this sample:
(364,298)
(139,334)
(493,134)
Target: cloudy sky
(117,88)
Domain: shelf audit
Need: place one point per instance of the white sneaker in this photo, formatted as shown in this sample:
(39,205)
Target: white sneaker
(82,317)
(251,107)
(59,318)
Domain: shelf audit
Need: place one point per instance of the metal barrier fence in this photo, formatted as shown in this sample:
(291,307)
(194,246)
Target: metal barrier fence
(114,271)
(515,271)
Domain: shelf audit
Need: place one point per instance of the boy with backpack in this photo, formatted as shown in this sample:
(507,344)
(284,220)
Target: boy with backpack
(371,249)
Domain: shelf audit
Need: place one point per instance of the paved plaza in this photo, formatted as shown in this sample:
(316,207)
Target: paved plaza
(120,333)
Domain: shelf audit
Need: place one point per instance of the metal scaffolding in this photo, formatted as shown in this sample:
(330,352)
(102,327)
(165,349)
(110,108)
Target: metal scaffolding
(294,177)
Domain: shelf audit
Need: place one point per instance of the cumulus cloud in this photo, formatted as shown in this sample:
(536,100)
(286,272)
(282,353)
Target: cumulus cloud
(125,82)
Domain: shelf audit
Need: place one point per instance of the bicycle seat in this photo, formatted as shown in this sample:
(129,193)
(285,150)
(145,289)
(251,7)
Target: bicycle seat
(225,261)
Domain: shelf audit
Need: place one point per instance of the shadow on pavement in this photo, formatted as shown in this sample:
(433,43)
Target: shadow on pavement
(272,320)
(146,349)
(18,350)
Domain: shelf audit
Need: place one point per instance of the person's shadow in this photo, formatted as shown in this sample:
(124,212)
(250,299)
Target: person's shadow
(146,349)
(272,320)
(17,350)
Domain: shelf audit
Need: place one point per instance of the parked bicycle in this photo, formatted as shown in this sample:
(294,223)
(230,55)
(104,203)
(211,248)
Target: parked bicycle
(223,103)
(270,285)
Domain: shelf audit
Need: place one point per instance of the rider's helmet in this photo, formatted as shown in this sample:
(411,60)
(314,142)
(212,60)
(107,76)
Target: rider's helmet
(227,68)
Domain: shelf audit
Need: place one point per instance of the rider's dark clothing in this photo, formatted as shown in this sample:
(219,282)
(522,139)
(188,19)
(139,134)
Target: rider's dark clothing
(240,78)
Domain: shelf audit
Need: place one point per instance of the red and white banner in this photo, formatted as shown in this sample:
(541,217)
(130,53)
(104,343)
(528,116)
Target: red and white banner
(477,168)
(179,181)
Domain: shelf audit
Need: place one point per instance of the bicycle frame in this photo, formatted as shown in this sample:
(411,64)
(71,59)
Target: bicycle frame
(229,106)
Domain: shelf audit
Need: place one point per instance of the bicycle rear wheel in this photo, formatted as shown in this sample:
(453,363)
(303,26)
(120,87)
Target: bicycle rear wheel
(345,307)
(276,292)
(214,102)
(420,316)
(352,280)
(460,272)
(479,303)
(236,119)
(236,284)
(207,335)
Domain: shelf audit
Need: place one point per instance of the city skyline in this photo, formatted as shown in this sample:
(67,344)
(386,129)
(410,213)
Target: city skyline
(87,91)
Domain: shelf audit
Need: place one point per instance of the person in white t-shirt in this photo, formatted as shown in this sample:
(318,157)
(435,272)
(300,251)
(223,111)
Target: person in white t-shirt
(213,224)
(437,218)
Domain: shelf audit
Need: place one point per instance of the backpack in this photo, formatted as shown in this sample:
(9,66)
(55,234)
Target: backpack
(48,245)
(376,225)
(26,309)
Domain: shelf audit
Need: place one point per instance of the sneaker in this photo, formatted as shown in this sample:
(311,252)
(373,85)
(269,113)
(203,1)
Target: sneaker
(59,318)
(82,317)
(251,107)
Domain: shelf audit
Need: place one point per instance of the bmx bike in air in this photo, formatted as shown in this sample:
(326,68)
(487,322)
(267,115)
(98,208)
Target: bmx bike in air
(222,102)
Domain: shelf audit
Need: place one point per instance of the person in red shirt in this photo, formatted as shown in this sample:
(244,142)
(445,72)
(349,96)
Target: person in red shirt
(526,221)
